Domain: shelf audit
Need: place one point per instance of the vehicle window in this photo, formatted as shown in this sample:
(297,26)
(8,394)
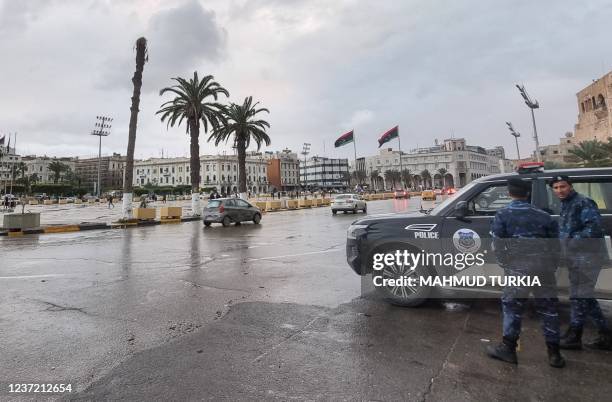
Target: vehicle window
(452,199)
(229,203)
(242,203)
(599,191)
(490,200)
(344,197)
(214,203)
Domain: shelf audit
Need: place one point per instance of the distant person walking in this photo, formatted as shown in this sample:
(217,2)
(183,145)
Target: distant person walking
(110,202)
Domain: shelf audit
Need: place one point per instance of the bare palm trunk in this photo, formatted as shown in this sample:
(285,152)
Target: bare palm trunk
(126,208)
(242,178)
(194,165)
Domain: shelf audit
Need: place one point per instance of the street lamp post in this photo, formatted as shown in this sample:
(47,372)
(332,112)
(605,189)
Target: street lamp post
(305,151)
(531,104)
(515,135)
(102,129)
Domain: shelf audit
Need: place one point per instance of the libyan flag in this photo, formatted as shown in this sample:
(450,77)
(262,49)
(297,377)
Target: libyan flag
(344,139)
(388,136)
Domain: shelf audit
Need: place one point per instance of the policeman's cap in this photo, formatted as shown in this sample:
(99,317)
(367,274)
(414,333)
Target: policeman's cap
(559,178)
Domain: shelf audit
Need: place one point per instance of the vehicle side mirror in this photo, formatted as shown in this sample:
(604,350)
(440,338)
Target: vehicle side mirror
(461,209)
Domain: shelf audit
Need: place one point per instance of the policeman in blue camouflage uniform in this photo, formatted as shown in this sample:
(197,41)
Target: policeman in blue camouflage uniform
(584,252)
(525,240)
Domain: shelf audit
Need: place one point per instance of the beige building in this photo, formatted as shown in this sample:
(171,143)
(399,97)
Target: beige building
(594,111)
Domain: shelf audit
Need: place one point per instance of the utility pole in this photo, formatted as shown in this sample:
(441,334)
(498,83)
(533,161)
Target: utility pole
(515,135)
(531,104)
(102,129)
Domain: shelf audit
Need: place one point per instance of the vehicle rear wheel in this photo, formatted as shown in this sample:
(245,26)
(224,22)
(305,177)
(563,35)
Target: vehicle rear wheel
(406,296)
(334,211)
(207,224)
(226,221)
(365,209)
(355,210)
(256,219)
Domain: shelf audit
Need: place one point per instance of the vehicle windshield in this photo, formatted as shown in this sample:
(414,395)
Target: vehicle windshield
(213,204)
(344,197)
(451,199)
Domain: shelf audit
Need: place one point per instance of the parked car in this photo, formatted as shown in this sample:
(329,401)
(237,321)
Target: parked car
(462,224)
(348,202)
(230,210)
(428,195)
(401,194)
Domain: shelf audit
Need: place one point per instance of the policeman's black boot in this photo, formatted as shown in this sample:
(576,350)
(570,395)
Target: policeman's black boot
(602,342)
(505,351)
(554,357)
(572,339)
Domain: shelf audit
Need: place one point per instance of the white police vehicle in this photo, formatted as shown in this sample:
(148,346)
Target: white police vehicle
(461,225)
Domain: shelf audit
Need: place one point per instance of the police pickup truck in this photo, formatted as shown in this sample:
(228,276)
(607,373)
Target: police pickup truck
(461,225)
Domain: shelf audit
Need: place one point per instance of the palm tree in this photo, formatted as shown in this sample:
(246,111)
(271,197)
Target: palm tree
(57,168)
(141,58)
(191,103)
(240,124)
(374,176)
(407,177)
(591,154)
(426,176)
(443,172)
(22,168)
(392,176)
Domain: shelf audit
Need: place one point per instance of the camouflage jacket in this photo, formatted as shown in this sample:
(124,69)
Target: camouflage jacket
(525,238)
(580,227)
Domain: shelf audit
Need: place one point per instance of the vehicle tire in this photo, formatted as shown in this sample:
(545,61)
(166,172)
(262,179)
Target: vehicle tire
(226,221)
(256,219)
(402,295)
(355,210)
(344,212)
(207,224)
(334,212)
(365,209)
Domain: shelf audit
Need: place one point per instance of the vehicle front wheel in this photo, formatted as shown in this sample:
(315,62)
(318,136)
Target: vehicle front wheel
(207,224)
(256,219)
(406,296)
(226,221)
(334,211)
(365,209)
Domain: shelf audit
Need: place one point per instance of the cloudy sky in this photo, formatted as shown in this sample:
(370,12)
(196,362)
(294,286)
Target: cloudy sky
(322,67)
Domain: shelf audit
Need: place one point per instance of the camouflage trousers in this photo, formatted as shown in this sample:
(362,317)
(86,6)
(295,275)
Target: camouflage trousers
(546,302)
(583,278)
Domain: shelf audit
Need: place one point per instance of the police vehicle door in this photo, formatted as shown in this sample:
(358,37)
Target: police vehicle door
(599,189)
(471,234)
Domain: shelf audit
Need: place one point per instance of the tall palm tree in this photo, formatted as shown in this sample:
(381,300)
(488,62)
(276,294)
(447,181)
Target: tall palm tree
(392,176)
(443,172)
(22,168)
(57,168)
(192,103)
(407,177)
(240,123)
(591,154)
(426,176)
(141,57)
(374,176)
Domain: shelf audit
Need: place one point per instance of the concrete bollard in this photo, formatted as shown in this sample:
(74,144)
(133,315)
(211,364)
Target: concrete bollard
(144,213)
(305,203)
(292,204)
(48,202)
(171,212)
(33,202)
(78,201)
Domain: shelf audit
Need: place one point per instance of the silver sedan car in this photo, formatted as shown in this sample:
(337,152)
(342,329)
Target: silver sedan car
(348,202)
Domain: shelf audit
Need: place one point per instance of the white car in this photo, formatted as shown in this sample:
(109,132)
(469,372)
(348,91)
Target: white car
(348,202)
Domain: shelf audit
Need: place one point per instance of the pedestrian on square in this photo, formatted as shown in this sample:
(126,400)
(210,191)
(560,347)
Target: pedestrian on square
(584,252)
(110,202)
(525,243)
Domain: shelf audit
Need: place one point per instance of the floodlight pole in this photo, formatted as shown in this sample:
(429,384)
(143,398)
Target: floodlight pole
(515,135)
(531,104)
(102,130)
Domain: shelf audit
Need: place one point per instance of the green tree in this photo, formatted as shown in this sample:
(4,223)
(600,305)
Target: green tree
(426,176)
(240,123)
(141,58)
(591,154)
(407,177)
(442,172)
(374,178)
(57,168)
(393,176)
(192,104)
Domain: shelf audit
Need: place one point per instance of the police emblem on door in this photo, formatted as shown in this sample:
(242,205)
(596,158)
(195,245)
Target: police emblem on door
(466,241)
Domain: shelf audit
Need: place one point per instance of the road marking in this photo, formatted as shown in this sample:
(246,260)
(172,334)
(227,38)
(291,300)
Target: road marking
(31,276)
(295,255)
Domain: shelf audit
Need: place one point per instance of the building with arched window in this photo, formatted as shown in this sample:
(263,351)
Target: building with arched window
(594,114)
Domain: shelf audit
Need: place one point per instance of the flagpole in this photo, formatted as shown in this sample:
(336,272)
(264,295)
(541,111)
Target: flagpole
(13,165)
(355,151)
(399,145)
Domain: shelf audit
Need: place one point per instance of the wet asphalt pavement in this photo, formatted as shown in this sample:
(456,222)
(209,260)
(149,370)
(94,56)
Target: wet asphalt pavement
(270,311)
